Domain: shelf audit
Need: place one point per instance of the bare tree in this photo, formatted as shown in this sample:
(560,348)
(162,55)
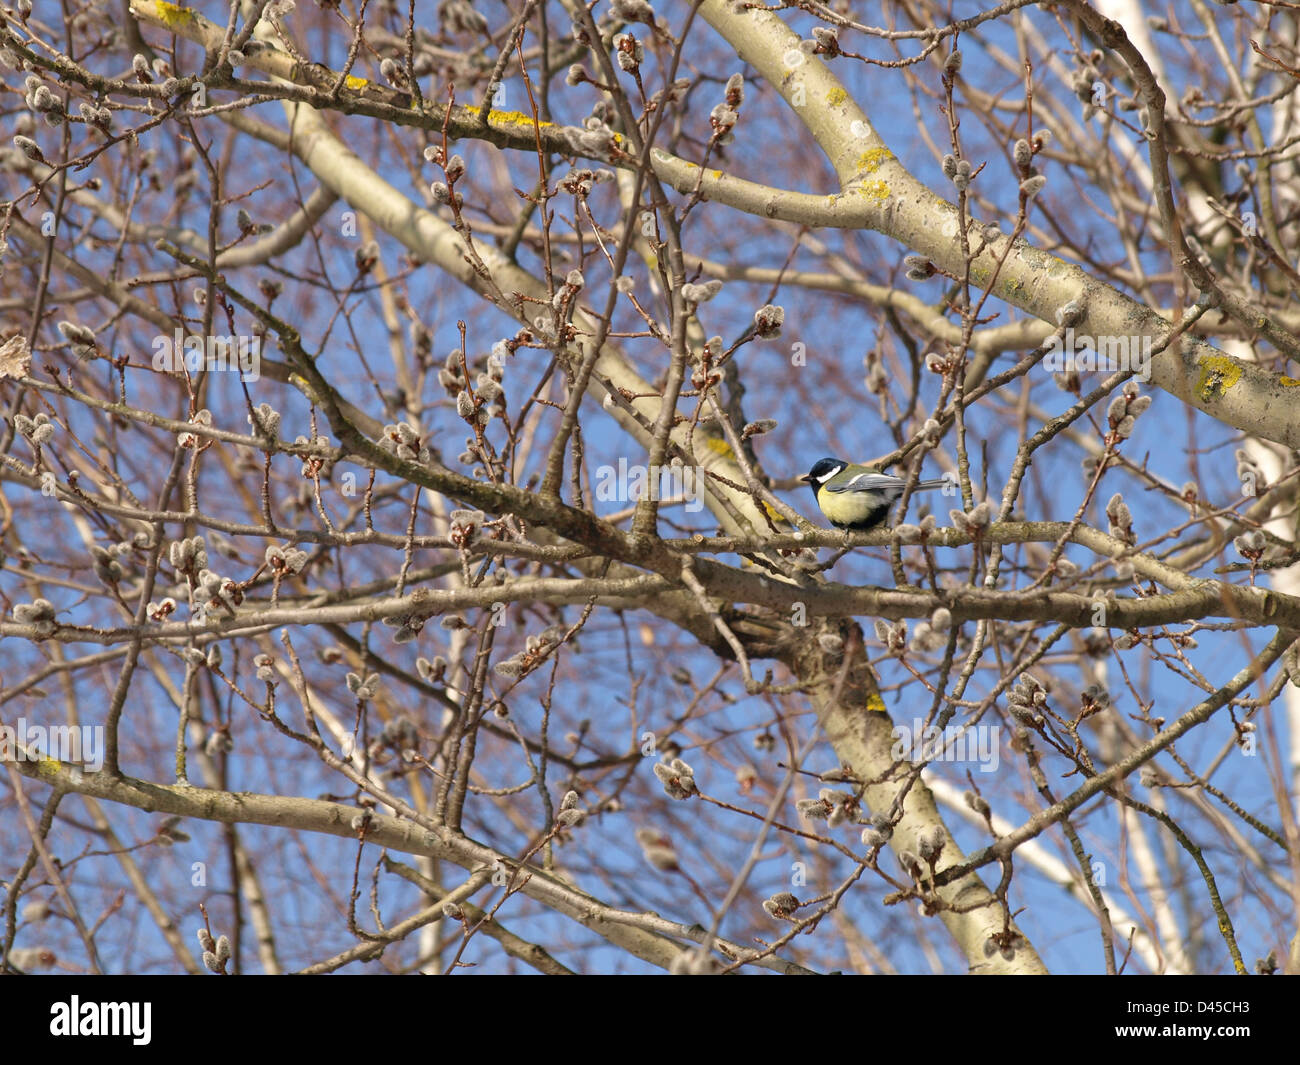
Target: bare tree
(404,557)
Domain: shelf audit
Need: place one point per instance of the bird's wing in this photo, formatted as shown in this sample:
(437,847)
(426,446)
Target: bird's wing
(868,482)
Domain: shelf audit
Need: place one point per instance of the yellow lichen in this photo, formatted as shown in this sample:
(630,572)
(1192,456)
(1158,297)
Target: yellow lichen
(872,160)
(1218,374)
(875,704)
(174,14)
(836,97)
(1289,382)
(510,119)
(353,82)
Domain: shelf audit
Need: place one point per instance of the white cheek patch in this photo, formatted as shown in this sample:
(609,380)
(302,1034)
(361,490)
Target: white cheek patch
(826,476)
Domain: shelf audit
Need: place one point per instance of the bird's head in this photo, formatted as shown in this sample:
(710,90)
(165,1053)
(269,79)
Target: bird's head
(823,471)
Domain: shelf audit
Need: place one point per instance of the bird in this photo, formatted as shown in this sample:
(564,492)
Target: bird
(857,497)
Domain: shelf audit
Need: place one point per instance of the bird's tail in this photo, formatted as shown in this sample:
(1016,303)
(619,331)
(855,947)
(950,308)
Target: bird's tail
(923,486)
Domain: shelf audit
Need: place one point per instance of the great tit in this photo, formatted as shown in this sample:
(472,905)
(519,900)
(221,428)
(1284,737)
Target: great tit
(857,497)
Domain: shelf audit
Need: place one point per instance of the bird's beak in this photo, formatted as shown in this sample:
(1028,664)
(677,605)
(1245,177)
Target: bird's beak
(806,478)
